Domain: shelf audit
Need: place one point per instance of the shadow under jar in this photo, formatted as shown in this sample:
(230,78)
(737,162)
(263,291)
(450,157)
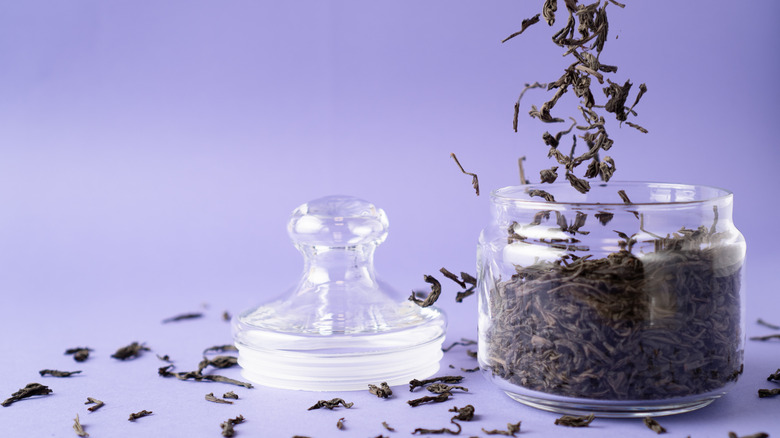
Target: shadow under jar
(589,304)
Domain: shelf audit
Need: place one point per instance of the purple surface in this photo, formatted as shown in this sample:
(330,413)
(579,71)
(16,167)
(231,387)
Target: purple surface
(152,152)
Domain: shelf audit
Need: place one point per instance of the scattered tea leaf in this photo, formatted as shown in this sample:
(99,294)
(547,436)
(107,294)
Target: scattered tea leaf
(183,317)
(511,430)
(653,425)
(80,354)
(768,325)
(136,415)
(79,428)
(755,435)
(624,197)
(165,358)
(441,388)
(429,399)
(474,179)
(98,404)
(441,431)
(386,426)
(227,426)
(331,404)
(432,297)
(226,316)
(764,393)
(765,338)
(220,362)
(198,377)
(469,370)
(57,373)
(414,383)
(381,391)
(542,194)
(574,421)
(231,395)
(340,424)
(210,397)
(32,389)
(465,413)
(130,352)
(523,26)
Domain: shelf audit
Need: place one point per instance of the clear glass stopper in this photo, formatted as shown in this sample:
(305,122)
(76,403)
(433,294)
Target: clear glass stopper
(340,328)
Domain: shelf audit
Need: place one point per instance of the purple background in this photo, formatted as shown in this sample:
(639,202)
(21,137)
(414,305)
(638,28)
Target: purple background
(152,152)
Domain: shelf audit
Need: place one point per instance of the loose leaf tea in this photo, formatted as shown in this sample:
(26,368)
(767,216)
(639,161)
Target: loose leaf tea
(441,431)
(653,425)
(774,376)
(331,404)
(381,391)
(441,388)
(465,413)
(767,324)
(429,399)
(469,370)
(386,426)
(474,179)
(230,394)
(755,435)
(432,297)
(165,358)
(414,383)
(130,352)
(80,354)
(511,430)
(764,393)
(573,421)
(765,338)
(136,415)
(583,38)
(621,327)
(198,377)
(210,397)
(220,362)
(56,373)
(78,427)
(98,404)
(227,426)
(340,424)
(183,317)
(32,389)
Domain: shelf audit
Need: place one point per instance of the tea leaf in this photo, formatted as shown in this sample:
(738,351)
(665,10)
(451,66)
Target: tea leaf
(32,389)
(474,179)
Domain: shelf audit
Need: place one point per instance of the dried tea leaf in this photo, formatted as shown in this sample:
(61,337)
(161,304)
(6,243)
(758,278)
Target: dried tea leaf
(57,373)
(767,324)
(429,399)
(130,351)
(231,395)
(653,425)
(549,175)
(764,393)
(220,362)
(579,184)
(624,197)
(79,428)
(523,26)
(331,404)
(381,391)
(574,421)
(542,194)
(414,383)
(80,354)
(210,397)
(432,296)
(774,376)
(469,370)
(183,317)
(198,377)
(32,389)
(474,179)
(98,404)
(755,435)
(441,431)
(765,338)
(465,413)
(136,415)
(386,426)
(463,342)
(227,426)
(340,424)
(511,430)
(441,388)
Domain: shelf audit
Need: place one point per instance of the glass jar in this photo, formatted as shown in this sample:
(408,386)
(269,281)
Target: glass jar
(595,304)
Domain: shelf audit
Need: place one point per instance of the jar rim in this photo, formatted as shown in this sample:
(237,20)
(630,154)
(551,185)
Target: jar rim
(519,194)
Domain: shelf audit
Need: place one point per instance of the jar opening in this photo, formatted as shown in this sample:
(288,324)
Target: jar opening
(639,193)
